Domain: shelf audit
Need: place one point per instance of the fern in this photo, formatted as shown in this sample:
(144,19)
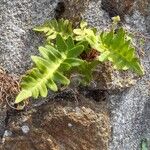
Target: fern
(62,54)
(86,34)
(50,68)
(86,70)
(52,28)
(114,47)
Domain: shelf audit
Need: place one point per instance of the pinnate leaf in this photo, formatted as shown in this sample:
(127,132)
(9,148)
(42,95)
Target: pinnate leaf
(49,68)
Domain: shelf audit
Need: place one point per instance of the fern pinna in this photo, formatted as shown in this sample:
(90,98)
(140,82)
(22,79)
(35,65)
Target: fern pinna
(50,68)
(54,27)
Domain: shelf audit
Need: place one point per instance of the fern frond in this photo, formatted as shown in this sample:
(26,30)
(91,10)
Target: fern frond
(120,51)
(114,47)
(86,34)
(50,68)
(144,144)
(52,28)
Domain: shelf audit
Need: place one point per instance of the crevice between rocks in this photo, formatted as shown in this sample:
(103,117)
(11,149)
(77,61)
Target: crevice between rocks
(114,7)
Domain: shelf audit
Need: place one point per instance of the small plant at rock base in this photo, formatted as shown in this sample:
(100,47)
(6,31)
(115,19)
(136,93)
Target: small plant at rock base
(81,49)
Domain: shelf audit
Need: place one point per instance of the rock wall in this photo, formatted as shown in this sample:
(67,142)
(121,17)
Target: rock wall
(129,109)
(60,125)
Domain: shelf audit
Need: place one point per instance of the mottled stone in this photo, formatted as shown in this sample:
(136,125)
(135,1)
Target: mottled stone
(18,42)
(37,139)
(57,125)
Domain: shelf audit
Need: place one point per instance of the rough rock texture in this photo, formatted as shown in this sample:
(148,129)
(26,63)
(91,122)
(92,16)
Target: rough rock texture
(17,18)
(71,9)
(129,109)
(60,125)
(9,87)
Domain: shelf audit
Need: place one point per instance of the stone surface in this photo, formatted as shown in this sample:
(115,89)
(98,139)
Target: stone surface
(59,124)
(17,18)
(71,9)
(37,139)
(129,109)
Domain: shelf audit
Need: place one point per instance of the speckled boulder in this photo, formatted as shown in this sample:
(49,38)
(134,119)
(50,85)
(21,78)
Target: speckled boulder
(17,40)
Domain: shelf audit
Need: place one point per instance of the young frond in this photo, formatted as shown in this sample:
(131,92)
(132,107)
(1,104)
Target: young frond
(53,27)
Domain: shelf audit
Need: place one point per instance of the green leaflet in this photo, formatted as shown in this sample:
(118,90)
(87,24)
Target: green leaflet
(53,27)
(86,70)
(86,35)
(50,68)
(144,144)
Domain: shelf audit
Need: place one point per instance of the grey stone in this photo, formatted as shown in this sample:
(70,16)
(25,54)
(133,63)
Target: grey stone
(96,16)
(25,129)
(7,133)
(18,42)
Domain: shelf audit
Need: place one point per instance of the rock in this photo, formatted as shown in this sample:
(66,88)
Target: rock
(3,115)
(7,133)
(129,108)
(25,129)
(71,9)
(117,7)
(61,125)
(17,19)
(37,139)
